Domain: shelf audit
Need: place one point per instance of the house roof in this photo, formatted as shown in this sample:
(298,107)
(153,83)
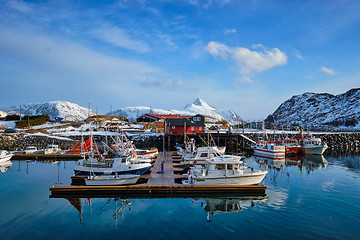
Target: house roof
(183,121)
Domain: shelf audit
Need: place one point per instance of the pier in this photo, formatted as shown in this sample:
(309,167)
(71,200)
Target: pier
(163,181)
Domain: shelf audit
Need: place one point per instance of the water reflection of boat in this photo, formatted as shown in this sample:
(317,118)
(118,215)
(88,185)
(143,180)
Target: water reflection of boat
(79,205)
(5,165)
(230,205)
(315,161)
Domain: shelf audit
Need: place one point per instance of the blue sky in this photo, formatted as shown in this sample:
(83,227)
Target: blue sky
(244,55)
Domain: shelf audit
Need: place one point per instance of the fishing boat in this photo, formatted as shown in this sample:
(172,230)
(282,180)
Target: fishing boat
(201,154)
(112,180)
(269,149)
(52,149)
(145,153)
(313,146)
(5,156)
(111,166)
(292,146)
(218,171)
(30,149)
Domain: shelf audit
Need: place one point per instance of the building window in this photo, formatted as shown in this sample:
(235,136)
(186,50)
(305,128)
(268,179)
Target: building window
(173,127)
(200,128)
(192,129)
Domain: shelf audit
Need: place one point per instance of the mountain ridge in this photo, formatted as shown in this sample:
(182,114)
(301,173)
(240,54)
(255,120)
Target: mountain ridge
(319,111)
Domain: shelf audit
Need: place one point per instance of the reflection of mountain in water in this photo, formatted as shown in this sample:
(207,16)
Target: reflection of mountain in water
(352,162)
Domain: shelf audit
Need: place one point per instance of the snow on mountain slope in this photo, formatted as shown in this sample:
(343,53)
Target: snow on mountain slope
(231,117)
(199,106)
(67,110)
(131,113)
(319,111)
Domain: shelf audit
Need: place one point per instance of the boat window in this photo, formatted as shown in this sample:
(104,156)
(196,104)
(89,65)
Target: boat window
(220,166)
(123,160)
(230,166)
(204,155)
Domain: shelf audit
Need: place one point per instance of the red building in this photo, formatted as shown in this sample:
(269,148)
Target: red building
(178,126)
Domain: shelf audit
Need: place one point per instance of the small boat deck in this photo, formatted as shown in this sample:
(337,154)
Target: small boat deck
(159,184)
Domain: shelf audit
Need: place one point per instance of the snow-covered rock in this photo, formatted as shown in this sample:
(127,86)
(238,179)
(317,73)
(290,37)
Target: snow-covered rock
(320,111)
(231,117)
(67,110)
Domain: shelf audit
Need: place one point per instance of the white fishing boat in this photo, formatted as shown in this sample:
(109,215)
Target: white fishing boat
(111,166)
(219,171)
(30,149)
(145,153)
(52,149)
(5,156)
(269,149)
(201,154)
(112,180)
(313,146)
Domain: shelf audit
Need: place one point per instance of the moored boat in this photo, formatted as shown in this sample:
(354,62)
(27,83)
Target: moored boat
(269,149)
(111,166)
(112,180)
(313,146)
(5,156)
(219,171)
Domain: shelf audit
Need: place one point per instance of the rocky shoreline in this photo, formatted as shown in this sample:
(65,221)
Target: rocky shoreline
(337,142)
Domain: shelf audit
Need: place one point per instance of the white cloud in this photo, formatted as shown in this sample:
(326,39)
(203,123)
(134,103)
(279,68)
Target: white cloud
(249,61)
(120,38)
(328,71)
(230,31)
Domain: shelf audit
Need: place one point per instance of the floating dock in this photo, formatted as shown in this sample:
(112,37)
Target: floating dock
(166,183)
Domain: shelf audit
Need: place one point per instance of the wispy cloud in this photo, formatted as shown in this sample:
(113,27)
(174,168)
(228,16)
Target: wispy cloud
(120,38)
(230,31)
(328,71)
(249,61)
(297,55)
(172,84)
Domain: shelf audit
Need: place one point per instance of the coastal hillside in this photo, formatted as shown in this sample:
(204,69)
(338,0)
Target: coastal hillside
(319,111)
(67,110)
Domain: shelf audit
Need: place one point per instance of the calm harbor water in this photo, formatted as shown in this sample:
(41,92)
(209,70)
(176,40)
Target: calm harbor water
(310,198)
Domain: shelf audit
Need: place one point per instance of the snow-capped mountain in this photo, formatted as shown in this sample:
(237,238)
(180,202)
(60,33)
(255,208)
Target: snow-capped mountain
(231,117)
(131,113)
(67,110)
(319,111)
(199,106)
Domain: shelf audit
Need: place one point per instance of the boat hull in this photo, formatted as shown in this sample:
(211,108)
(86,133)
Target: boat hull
(266,153)
(315,150)
(80,170)
(248,179)
(112,180)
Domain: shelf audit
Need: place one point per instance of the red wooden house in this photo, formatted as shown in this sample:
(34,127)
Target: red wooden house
(178,126)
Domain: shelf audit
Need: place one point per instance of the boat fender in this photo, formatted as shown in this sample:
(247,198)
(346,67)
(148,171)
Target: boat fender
(252,169)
